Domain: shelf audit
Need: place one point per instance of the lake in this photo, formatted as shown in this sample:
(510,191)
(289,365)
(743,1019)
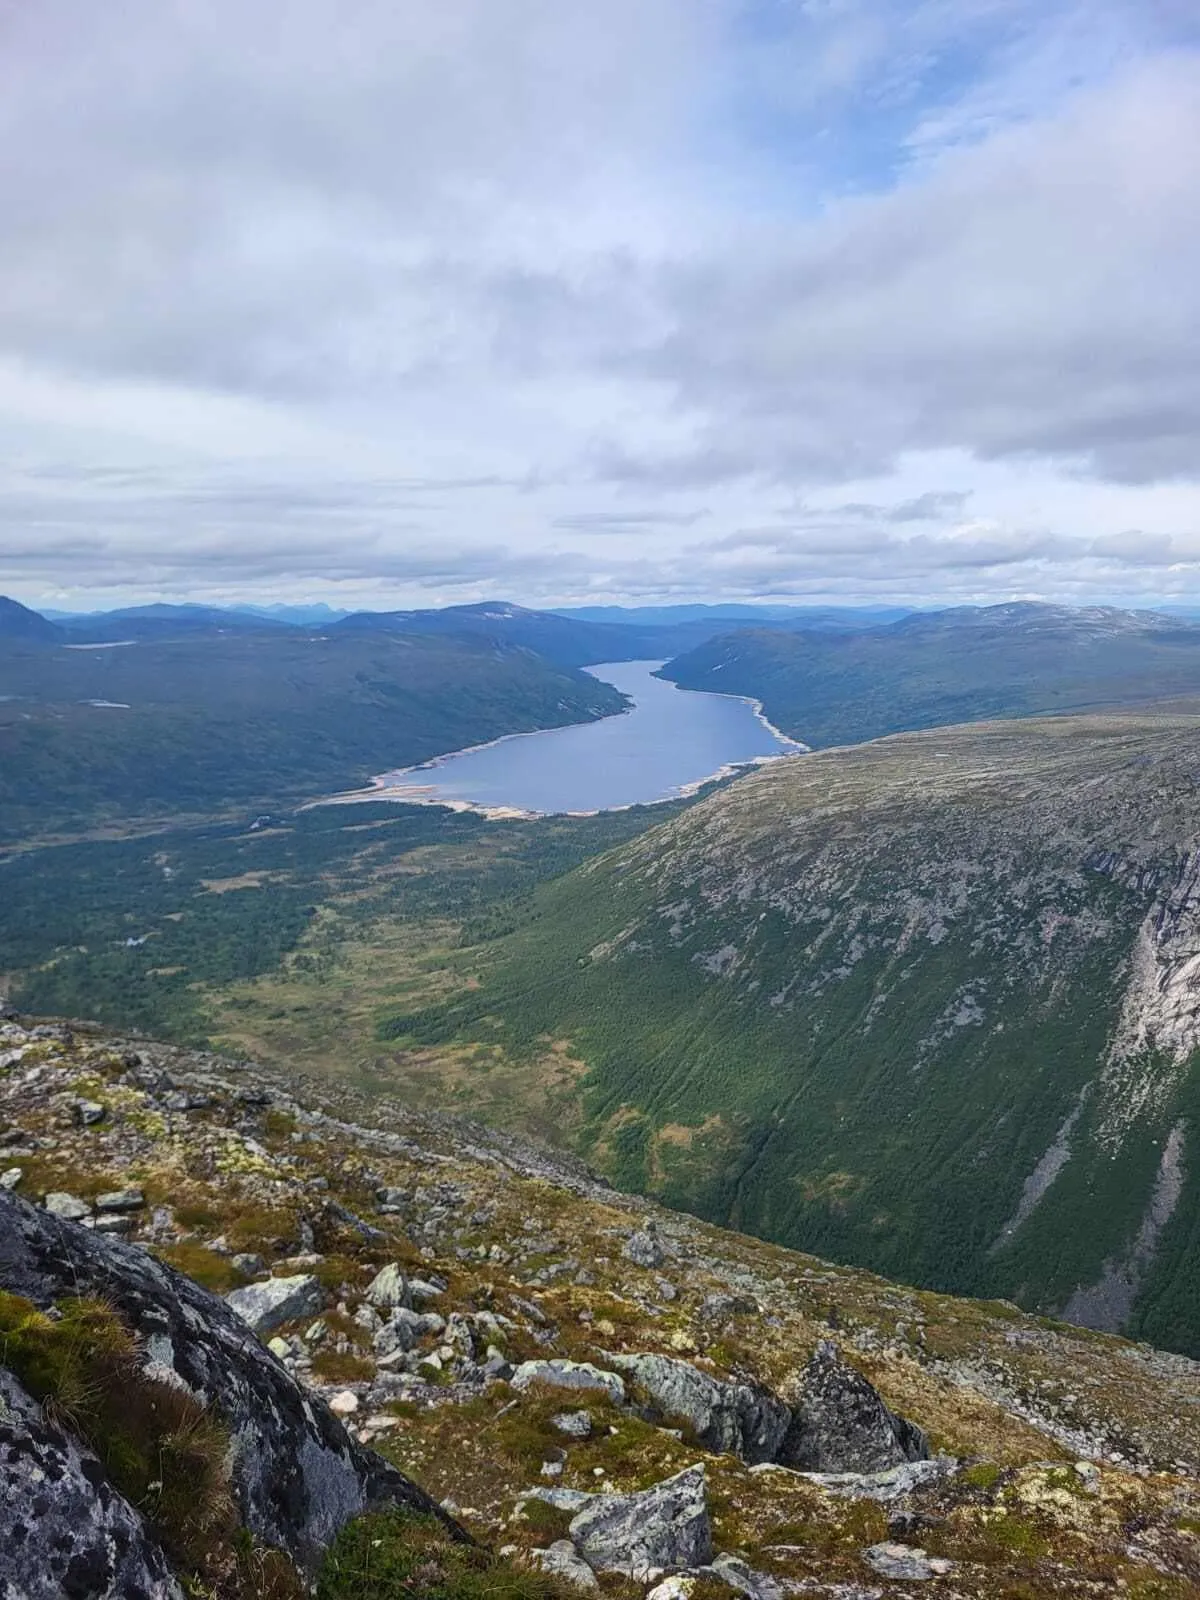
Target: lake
(667,745)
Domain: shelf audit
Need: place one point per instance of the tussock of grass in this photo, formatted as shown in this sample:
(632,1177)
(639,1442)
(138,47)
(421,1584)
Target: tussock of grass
(391,1555)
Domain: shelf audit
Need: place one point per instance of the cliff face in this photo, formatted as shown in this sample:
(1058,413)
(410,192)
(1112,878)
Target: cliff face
(606,1391)
(930,1004)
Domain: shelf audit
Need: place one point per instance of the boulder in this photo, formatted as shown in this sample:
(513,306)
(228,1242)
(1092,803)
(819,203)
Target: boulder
(268,1305)
(744,1579)
(644,1248)
(841,1424)
(906,1562)
(389,1288)
(59,1534)
(67,1206)
(295,1473)
(661,1527)
(562,1559)
(574,1424)
(131,1199)
(728,1418)
(556,1374)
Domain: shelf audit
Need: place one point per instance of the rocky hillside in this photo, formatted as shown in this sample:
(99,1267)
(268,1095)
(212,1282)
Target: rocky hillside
(604,1396)
(928,1004)
(937,668)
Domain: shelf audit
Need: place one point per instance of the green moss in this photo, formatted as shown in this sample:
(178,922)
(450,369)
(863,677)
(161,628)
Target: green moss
(983,1475)
(391,1555)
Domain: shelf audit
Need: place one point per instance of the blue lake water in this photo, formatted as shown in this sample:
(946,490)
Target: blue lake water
(670,742)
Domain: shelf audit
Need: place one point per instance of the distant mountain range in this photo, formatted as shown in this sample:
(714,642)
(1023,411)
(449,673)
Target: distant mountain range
(934,668)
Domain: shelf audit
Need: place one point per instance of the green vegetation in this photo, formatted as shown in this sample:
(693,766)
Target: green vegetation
(393,1555)
(156,932)
(850,1002)
(948,667)
(154,730)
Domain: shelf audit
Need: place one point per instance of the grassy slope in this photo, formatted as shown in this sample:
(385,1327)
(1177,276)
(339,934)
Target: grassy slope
(848,1002)
(255,719)
(951,667)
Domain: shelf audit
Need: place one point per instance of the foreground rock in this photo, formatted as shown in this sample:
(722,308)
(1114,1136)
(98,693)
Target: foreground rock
(666,1526)
(738,1418)
(840,1423)
(60,1534)
(296,1475)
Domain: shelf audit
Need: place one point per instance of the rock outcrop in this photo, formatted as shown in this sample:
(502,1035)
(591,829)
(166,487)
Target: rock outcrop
(742,1419)
(665,1526)
(64,1531)
(296,1475)
(840,1423)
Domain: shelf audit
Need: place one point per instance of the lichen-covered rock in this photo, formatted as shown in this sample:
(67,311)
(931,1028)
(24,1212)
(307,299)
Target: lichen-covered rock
(840,1423)
(736,1418)
(564,1561)
(664,1526)
(906,1562)
(63,1530)
(556,1374)
(296,1475)
(644,1248)
(268,1305)
(389,1288)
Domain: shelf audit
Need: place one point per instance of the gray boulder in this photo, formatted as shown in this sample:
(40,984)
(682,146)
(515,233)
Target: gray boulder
(389,1288)
(556,1374)
(131,1199)
(68,1206)
(661,1527)
(59,1533)
(295,1473)
(644,1248)
(840,1423)
(268,1305)
(563,1560)
(742,1577)
(728,1418)
(906,1562)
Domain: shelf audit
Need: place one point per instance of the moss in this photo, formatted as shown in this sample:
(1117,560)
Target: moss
(159,1447)
(983,1475)
(336,1366)
(391,1555)
(204,1266)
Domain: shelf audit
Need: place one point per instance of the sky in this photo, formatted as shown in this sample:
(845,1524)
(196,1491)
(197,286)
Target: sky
(385,303)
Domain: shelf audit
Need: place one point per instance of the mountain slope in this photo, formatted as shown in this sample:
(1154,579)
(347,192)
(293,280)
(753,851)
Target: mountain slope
(256,719)
(927,1004)
(541,1353)
(934,669)
(21,625)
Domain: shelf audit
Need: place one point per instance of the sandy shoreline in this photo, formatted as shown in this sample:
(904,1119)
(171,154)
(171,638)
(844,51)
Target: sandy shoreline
(386,789)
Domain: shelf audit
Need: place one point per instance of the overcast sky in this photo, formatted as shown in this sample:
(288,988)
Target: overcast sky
(392,302)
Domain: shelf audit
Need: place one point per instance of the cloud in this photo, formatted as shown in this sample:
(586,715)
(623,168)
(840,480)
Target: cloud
(525,292)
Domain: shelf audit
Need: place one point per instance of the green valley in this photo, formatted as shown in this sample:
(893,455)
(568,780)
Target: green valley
(205,722)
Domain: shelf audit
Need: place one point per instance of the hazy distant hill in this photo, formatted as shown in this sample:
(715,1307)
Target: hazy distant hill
(943,667)
(164,622)
(19,623)
(568,641)
(845,618)
(927,1004)
(257,717)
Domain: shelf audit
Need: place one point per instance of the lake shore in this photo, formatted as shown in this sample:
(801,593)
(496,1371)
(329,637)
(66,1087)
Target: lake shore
(399,788)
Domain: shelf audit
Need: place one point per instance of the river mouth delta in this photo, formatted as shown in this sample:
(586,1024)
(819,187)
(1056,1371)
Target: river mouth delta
(669,743)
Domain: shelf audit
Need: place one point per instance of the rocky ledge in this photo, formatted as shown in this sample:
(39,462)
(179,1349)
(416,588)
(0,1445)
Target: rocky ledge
(358,1300)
